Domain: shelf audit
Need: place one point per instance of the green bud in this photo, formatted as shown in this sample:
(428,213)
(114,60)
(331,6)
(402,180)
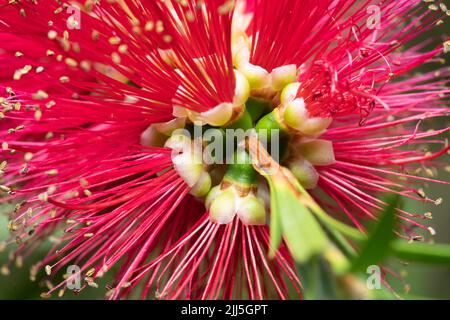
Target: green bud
(202,186)
(257,107)
(212,194)
(241,171)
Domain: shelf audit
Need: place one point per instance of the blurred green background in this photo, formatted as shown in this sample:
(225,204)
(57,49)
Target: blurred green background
(424,280)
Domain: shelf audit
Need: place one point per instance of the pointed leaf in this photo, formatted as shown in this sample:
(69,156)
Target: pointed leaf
(422,252)
(377,246)
(300,229)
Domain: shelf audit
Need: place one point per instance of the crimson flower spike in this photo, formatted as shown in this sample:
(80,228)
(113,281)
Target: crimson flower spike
(99,102)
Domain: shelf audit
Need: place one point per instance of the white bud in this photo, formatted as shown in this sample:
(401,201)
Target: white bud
(318,152)
(257,77)
(297,117)
(219,115)
(289,93)
(213,193)
(295,113)
(315,126)
(242,91)
(223,207)
(179,143)
(251,211)
(202,186)
(282,76)
(188,167)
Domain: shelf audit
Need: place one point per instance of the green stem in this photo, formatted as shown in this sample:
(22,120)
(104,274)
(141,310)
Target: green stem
(241,171)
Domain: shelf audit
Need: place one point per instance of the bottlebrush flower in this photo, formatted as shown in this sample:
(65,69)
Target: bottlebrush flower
(93,100)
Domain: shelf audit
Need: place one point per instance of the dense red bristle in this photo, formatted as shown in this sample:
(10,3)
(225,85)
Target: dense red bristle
(345,61)
(74,118)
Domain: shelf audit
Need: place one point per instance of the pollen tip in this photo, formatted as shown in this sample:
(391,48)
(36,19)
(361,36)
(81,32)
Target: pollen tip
(48,270)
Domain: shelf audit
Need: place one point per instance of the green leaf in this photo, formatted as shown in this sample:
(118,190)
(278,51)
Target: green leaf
(292,218)
(290,213)
(318,280)
(422,252)
(275,224)
(377,246)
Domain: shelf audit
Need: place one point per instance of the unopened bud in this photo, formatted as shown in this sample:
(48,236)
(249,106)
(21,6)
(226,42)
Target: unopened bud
(305,173)
(282,76)
(219,115)
(223,207)
(251,211)
(297,117)
(318,152)
(289,93)
(242,90)
(202,186)
(189,167)
(257,77)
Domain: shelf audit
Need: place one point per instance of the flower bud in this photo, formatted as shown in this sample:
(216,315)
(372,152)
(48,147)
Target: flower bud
(318,152)
(189,167)
(252,211)
(156,134)
(223,207)
(289,93)
(219,115)
(257,77)
(212,194)
(295,113)
(315,126)
(225,204)
(179,143)
(297,117)
(242,91)
(202,186)
(282,76)
(305,173)
(185,158)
